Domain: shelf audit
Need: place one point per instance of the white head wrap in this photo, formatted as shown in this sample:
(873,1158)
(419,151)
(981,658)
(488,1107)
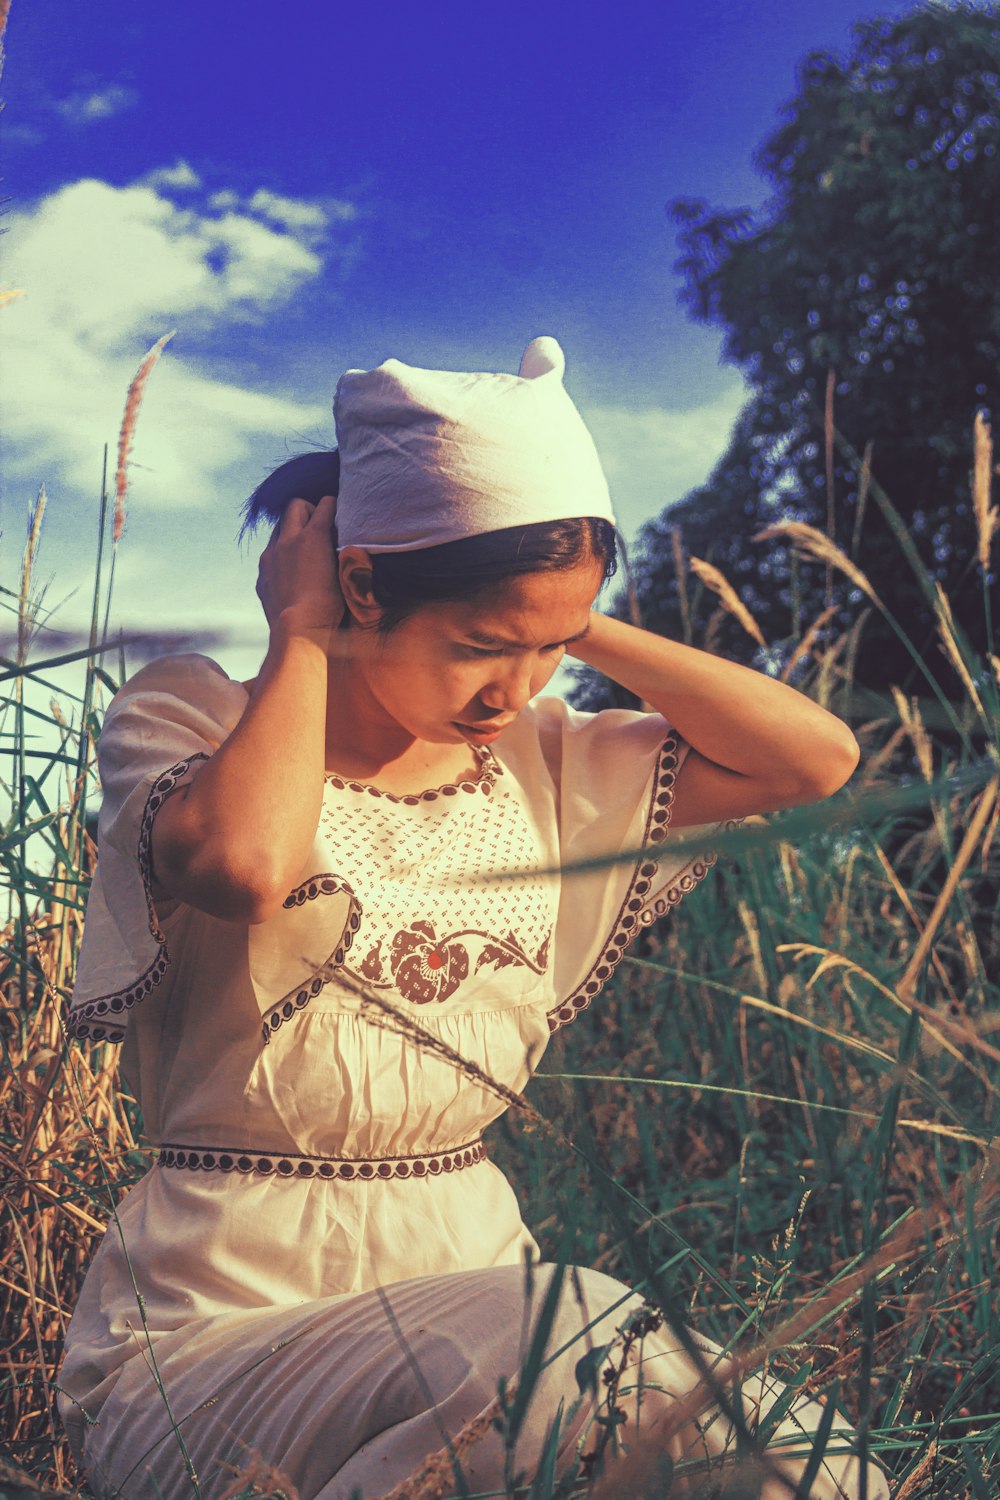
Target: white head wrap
(429,456)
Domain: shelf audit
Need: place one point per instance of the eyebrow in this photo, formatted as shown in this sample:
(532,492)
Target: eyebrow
(481,638)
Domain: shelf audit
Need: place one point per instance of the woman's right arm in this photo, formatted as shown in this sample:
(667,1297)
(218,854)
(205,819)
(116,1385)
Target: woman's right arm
(233,840)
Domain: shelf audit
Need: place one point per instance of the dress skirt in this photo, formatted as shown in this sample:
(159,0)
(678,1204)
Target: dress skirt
(349,1397)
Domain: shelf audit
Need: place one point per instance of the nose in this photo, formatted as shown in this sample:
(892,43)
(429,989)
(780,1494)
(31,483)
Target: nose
(510,689)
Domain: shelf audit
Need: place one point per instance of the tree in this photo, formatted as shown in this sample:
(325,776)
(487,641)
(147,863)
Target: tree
(869,279)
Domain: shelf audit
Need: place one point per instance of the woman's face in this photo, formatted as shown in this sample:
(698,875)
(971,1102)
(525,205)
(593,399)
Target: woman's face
(463,671)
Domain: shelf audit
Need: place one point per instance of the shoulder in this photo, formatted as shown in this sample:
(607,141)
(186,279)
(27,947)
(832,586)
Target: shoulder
(186,673)
(553,727)
(188,679)
(605,758)
(171,700)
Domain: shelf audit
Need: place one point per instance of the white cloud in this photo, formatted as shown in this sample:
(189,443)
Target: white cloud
(224,200)
(652,456)
(180,176)
(293,212)
(106,271)
(104,263)
(87,106)
(304,217)
(340,211)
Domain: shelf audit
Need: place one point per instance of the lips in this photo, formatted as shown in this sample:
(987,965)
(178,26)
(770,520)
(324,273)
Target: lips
(490,727)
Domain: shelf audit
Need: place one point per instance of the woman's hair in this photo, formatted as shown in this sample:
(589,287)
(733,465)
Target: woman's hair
(452,571)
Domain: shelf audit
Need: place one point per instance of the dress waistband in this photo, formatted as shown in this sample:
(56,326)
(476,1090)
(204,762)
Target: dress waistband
(289,1164)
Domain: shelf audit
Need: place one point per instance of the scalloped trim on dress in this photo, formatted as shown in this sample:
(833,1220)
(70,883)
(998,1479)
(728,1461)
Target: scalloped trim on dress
(638,909)
(309,890)
(95,1020)
(291,1164)
(489,769)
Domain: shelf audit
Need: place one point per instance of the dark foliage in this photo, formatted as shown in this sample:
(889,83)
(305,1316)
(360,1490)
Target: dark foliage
(876,258)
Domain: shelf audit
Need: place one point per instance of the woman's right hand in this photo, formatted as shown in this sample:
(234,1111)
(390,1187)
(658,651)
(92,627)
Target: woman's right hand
(298,581)
(234,841)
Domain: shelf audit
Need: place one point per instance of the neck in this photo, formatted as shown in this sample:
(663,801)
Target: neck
(364,741)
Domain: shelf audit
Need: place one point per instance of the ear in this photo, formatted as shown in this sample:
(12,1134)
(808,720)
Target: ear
(356,586)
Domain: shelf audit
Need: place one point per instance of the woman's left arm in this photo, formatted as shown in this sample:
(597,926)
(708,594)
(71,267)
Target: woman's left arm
(756,744)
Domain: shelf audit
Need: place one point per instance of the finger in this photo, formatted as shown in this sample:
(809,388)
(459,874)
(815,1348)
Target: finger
(327,507)
(295,516)
(324,516)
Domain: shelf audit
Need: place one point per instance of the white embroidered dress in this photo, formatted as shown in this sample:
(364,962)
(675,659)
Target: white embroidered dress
(331,1269)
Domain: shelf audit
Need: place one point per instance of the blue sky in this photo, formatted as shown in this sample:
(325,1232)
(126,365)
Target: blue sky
(304,187)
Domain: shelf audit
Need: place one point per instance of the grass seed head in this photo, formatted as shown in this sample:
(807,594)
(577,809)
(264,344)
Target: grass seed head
(987,515)
(132,404)
(27,607)
(809,542)
(727,596)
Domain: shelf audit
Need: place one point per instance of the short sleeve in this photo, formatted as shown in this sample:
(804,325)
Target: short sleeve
(158,732)
(604,784)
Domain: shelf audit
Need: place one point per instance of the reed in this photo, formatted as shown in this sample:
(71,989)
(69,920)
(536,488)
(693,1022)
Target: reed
(729,599)
(779,1121)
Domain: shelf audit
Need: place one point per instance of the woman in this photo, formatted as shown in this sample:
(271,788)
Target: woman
(323,991)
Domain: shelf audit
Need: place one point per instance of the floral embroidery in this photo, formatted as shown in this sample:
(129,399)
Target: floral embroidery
(371,964)
(500,954)
(493,954)
(424,969)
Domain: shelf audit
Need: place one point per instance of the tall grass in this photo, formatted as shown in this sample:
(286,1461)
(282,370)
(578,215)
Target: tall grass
(779,1120)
